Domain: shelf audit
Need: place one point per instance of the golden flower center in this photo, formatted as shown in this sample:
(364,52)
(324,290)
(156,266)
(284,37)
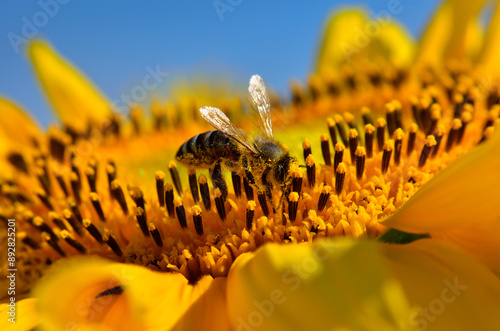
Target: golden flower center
(113,199)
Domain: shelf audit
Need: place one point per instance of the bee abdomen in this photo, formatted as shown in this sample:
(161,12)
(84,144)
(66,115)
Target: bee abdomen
(206,148)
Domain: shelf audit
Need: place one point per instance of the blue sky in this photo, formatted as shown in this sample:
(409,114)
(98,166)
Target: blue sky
(115,42)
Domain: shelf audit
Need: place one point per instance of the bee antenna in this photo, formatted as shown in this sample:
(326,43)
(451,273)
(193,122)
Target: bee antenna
(302,166)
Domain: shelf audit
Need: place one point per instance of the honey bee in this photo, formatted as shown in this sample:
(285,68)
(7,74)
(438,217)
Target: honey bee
(264,161)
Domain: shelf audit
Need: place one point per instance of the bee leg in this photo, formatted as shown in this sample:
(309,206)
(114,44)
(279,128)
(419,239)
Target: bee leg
(218,179)
(269,191)
(248,173)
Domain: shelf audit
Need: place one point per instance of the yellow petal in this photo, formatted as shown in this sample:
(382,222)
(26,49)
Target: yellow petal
(339,38)
(345,285)
(69,295)
(464,193)
(488,58)
(464,16)
(24,315)
(451,290)
(350,35)
(453,32)
(327,285)
(73,97)
(12,118)
(431,48)
(460,204)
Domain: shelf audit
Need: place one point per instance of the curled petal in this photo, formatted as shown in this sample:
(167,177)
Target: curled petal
(86,292)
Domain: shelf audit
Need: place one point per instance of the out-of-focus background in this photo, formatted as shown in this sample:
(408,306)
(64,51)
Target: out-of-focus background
(117,43)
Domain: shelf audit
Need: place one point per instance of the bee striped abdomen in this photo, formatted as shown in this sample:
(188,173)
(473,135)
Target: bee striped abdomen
(206,148)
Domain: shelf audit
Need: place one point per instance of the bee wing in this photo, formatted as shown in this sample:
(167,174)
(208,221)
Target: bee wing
(221,122)
(260,100)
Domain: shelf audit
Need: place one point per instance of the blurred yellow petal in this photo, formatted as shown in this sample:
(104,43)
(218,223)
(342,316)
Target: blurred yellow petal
(451,290)
(351,35)
(453,32)
(88,295)
(24,315)
(394,44)
(464,17)
(490,53)
(463,197)
(339,37)
(17,126)
(431,46)
(73,97)
(339,285)
(362,285)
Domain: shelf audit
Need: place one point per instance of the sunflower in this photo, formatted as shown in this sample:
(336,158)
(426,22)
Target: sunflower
(388,141)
